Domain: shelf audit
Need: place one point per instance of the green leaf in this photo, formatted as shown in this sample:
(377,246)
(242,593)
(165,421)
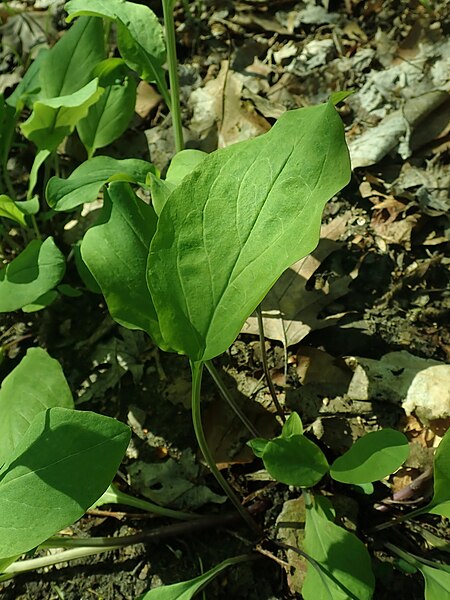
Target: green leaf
(140,36)
(293,426)
(258,446)
(68,66)
(54,119)
(108,118)
(295,461)
(442,471)
(37,269)
(267,194)
(372,457)
(10,210)
(84,184)
(437,582)
(443,509)
(185,590)
(29,86)
(115,251)
(343,558)
(41,302)
(182,164)
(37,383)
(61,466)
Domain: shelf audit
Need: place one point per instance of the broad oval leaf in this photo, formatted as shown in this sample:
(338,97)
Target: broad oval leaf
(186,590)
(61,466)
(140,35)
(295,461)
(37,383)
(344,561)
(267,194)
(115,251)
(55,118)
(374,456)
(85,182)
(37,269)
(68,66)
(109,117)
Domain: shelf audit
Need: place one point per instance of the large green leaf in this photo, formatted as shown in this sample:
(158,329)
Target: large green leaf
(372,457)
(344,560)
(55,118)
(295,460)
(85,182)
(233,225)
(37,269)
(115,251)
(140,36)
(68,66)
(29,86)
(186,590)
(437,582)
(37,383)
(108,118)
(61,466)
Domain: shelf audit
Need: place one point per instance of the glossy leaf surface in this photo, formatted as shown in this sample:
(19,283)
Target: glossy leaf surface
(343,558)
(37,269)
(116,250)
(55,118)
(61,466)
(85,182)
(267,194)
(37,383)
(374,456)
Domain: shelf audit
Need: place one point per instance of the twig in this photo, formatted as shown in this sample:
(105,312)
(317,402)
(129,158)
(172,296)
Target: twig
(262,341)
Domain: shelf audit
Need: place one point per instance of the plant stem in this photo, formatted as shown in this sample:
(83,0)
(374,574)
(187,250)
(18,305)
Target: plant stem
(114,496)
(175,109)
(197,370)
(46,561)
(396,520)
(230,400)
(262,342)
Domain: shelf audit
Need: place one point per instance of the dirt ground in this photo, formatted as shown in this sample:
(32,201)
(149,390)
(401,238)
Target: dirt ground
(345,339)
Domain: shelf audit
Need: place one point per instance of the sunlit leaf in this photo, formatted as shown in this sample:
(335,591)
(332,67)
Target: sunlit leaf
(374,456)
(267,194)
(37,383)
(65,461)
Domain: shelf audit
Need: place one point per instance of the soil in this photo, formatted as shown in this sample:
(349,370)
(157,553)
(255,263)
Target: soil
(397,300)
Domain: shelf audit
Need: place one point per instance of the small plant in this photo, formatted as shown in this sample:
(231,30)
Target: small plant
(187,269)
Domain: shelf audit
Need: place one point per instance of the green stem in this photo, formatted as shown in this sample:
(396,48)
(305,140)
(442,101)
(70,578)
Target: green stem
(175,108)
(46,561)
(262,342)
(197,370)
(229,399)
(115,496)
(397,520)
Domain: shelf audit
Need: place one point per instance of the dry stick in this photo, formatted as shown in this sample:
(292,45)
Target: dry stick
(266,365)
(230,400)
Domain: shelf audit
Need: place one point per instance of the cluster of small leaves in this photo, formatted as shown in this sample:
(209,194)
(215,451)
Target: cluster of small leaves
(342,564)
